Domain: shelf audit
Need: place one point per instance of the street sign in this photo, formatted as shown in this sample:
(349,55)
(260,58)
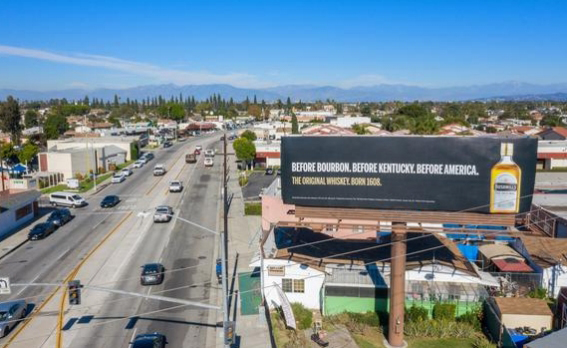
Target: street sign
(5,286)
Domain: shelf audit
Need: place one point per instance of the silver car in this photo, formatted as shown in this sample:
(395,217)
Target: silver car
(11,313)
(163,213)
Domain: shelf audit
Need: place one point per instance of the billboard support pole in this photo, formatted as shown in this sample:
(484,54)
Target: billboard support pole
(397,286)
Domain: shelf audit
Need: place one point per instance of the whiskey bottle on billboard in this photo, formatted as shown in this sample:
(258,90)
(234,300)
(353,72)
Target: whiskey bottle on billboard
(505,181)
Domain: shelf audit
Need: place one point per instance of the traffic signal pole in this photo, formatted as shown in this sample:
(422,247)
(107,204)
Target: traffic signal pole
(224,252)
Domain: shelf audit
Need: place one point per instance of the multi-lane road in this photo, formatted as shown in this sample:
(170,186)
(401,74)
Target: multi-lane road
(187,251)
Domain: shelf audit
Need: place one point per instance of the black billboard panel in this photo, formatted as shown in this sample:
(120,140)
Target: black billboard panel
(474,174)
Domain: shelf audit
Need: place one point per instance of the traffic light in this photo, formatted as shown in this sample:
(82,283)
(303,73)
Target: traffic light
(74,287)
(229,327)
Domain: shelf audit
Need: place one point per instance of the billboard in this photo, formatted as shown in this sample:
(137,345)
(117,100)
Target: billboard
(473,174)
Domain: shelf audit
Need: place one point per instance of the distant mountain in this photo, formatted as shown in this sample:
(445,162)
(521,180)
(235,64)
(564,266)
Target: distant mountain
(498,91)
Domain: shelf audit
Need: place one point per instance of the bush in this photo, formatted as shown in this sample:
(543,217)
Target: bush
(444,311)
(538,293)
(368,318)
(439,329)
(242,181)
(253,209)
(473,318)
(482,342)
(303,316)
(415,313)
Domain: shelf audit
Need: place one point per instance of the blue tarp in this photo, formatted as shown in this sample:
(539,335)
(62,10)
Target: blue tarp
(469,251)
(19,168)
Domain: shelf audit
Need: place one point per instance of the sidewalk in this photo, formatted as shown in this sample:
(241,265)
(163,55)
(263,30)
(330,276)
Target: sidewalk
(243,234)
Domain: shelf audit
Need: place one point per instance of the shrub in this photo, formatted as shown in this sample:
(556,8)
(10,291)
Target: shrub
(473,318)
(242,181)
(444,311)
(538,293)
(303,316)
(253,209)
(415,313)
(79,176)
(482,342)
(368,318)
(439,329)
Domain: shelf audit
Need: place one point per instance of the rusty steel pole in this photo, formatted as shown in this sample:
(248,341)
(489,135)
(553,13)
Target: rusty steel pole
(397,286)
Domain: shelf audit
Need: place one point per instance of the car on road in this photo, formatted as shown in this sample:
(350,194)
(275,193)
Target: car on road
(209,162)
(209,153)
(163,213)
(117,178)
(60,217)
(167,144)
(269,171)
(148,156)
(152,274)
(11,313)
(197,152)
(109,201)
(159,169)
(199,147)
(66,198)
(279,171)
(127,171)
(190,158)
(139,164)
(175,186)
(41,230)
(149,340)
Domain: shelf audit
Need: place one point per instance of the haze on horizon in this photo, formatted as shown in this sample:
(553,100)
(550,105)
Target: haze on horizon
(255,44)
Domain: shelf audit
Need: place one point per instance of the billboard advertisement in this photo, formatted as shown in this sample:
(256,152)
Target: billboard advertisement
(472,174)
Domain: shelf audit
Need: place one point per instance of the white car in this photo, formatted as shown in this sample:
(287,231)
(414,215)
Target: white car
(209,162)
(210,153)
(118,178)
(138,164)
(199,147)
(127,171)
(175,186)
(159,169)
(163,213)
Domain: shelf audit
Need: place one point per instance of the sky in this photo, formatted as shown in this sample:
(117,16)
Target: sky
(48,45)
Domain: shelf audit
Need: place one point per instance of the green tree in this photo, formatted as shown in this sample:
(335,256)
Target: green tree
(7,151)
(173,111)
(10,119)
(294,124)
(360,129)
(31,118)
(55,125)
(244,149)
(27,153)
(248,134)
(551,121)
(365,110)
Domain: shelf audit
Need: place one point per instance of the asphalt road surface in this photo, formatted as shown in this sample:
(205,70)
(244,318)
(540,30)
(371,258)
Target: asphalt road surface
(176,244)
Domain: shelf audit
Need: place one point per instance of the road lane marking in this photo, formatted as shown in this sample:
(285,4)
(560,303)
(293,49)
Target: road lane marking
(44,268)
(133,336)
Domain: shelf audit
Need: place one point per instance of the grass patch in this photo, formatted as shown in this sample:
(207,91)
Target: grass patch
(441,343)
(48,190)
(86,186)
(253,209)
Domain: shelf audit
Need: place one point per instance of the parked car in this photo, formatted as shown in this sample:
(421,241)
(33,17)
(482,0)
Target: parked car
(197,152)
(109,201)
(127,171)
(159,169)
(209,153)
(118,178)
(279,171)
(199,147)
(139,164)
(152,274)
(175,186)
(60,217)
(41,230)
(269,171)
(149,340)
(11,313)
(66,198)
(167,144)
(163,213)
(190,158)
(209,162)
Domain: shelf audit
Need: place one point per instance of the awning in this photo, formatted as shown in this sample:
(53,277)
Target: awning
(512,265)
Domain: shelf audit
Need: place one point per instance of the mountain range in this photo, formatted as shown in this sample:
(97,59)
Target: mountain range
(384,92)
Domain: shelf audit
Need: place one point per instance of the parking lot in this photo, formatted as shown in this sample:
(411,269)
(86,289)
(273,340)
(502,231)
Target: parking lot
(256,182)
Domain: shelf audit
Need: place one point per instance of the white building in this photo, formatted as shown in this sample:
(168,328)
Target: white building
(126,143)
(16,209)
(348,122)
(551,154)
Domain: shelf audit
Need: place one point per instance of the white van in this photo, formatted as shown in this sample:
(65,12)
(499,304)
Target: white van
(66,198)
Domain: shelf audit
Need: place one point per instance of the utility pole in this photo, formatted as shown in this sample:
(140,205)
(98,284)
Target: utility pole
(224,251)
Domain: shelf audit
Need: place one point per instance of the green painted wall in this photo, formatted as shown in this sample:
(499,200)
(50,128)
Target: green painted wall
(336,305)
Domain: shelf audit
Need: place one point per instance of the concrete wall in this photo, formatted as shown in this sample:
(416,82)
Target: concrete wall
(8,221)
(82,162)
(533,321)
(313,283)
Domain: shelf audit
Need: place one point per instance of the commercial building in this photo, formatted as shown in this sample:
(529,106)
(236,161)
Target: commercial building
(268,154)
(348,122)
(17,207)
(552,154)
(127,143)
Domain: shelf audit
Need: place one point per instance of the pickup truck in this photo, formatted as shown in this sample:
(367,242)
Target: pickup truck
(190,158)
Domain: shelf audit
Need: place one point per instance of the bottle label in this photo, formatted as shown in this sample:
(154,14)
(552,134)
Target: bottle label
(505,192)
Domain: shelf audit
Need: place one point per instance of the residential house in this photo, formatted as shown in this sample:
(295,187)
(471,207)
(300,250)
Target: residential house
(553,133)
(499,257)
(326,129)
(515,313)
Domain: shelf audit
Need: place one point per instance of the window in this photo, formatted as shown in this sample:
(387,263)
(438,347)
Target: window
(293,285)
(277,271)
(358,229)
(23,211)
(331,228)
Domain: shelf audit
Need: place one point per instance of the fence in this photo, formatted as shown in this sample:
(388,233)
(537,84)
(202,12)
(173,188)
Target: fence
(518,283)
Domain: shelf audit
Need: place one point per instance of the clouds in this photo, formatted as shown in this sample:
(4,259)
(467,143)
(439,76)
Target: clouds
(157,73)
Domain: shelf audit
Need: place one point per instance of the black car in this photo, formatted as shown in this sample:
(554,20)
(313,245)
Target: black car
(167,144)
(149,156)
(41,230)
(279,172)
(109,201)
(149,340)
(152,274)
(269,171)
(60,217)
